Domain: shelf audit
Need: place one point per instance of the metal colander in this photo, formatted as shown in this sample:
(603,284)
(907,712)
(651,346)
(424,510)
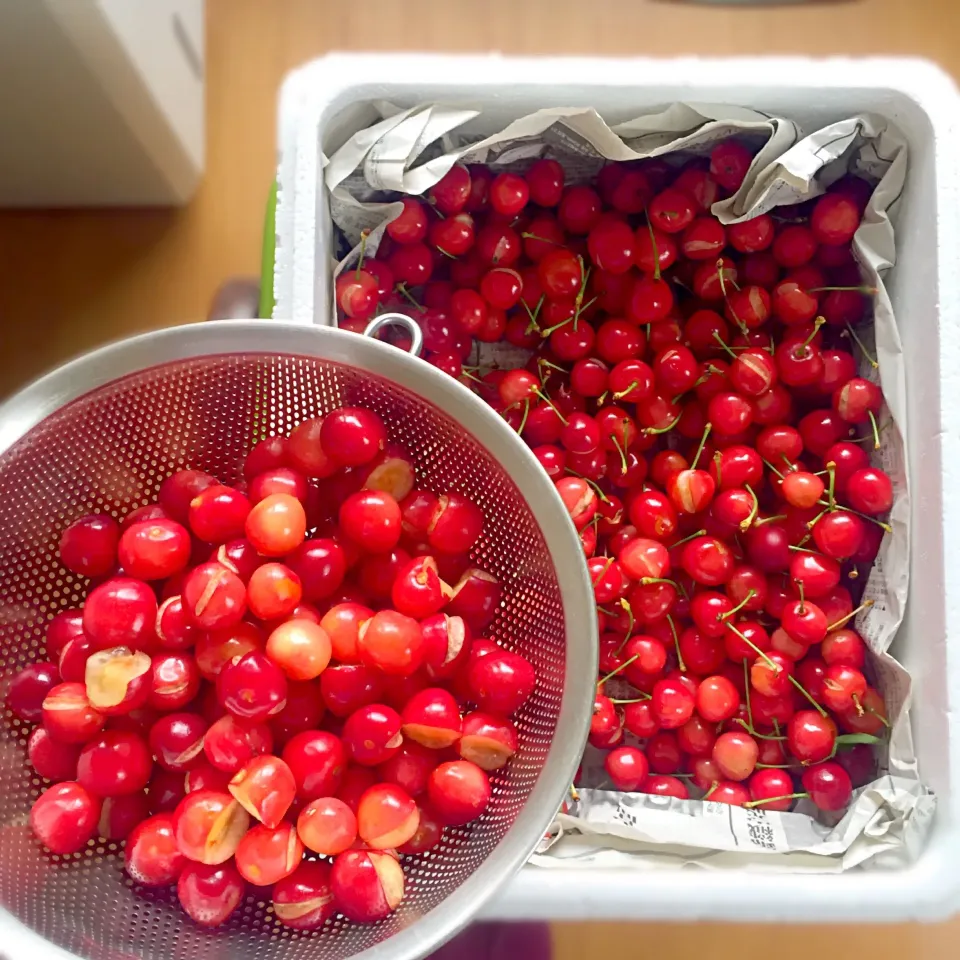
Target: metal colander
(100,434)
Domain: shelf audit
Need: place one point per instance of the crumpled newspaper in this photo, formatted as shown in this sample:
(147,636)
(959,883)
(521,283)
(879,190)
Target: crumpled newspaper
(409,150)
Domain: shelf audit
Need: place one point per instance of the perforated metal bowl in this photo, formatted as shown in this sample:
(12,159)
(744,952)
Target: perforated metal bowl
(99,434)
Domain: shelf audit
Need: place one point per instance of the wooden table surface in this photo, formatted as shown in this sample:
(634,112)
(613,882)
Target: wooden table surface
(72,280)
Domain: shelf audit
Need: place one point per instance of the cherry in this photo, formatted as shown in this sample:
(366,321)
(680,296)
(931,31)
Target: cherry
(151,856)
(391,642)
(431,717)
(276,525)
(174,681)
(116,681)
(51,758)
(64,817)
(834,219)
(545,182)
(208,826)
(300,648)
(735,754)
(29,689)
(177,740)
(411,225)
(459,792)
(120,611)
(179,489)
(717,699)
(366,885)
(844,647)
(627,768)
(210,893)
(88,546)
(371,734)
(673,703)
(216,649)
(811,736)
(829,786)
(579,209)
(870,491)
(273,592)
(213,597)
(252,687)
(451,193)
(501,682)
(266,856)
(304,900)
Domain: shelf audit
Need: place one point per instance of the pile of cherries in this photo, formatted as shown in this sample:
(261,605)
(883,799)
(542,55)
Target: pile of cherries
(235,692)
(693,391)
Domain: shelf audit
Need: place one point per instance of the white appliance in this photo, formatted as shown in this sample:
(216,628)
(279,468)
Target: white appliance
(101,102)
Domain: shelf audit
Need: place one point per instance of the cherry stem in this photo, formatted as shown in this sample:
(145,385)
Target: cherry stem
(593,484)
(665,429)
(625,604)
(857,704)
(745,523)
(534,236)
(750,595)
(621,451)
(538,392)
(613,673)
(879,716)
(770,663)
(718,465)
(646,581)
(640,699)
(831,484)
(533,325)
(746,693)
(802,609)
(578,301)
(546,333)
(523,419)
(786,796)
(407,295)
(871,291)
(817,324)
(676,644)
(723,292)
(749,727)
(773,468)
(716,783)
(720,340)
(800,549)
(807,694)
(876,431)
(656,252)
(363,249)
(776,766)
(693,536)
(863,516)
(703,442)
(866,353)
(574,795)
(836,625)
(772,519)
(620,394)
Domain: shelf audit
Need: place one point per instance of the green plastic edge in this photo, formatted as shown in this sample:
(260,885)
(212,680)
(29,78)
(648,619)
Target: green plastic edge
(267,256)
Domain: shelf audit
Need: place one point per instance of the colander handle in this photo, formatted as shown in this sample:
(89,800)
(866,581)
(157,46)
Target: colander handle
(398,320)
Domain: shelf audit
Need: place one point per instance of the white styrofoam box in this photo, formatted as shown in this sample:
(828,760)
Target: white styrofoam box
(323,103)
(101,102)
